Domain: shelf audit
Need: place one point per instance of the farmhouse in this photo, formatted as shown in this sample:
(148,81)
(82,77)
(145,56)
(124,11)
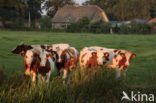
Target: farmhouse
(72,13)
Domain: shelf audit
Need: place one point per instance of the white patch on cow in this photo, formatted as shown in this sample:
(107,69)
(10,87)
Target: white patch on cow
(37,49)
(52,66)
(44,59)
(43,56)
(65,72)
(60,47)
(29,57)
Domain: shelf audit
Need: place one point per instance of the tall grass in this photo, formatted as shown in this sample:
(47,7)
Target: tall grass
(87,87)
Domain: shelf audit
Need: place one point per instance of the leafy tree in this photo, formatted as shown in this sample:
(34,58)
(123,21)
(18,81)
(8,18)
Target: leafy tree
(106,5)
(53,5)
(84,23)
(33,11)
(125,9)
(45,22)
(11,11)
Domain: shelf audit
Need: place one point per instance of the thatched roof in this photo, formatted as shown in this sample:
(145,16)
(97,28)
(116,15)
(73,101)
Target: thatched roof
(72,13)
(152,21)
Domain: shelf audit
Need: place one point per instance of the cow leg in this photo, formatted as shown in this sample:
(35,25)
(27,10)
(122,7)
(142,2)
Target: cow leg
(68,81)
(64,75)
(43,78)
(124,73)
(48,76)
(118,73)
(39,78)
(26,79)
(33,78)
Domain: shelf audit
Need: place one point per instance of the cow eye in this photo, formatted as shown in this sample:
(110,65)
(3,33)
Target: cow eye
(26,56)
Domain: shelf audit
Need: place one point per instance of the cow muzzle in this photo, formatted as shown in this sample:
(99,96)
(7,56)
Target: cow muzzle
(59,61)
(42,65)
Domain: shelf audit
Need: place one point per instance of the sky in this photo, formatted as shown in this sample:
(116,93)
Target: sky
(79,1)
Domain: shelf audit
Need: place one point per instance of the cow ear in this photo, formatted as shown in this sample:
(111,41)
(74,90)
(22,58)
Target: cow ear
(115,56)
(22,54)
(119,52)
(115,50)
(42,46)
(106,54)
(94,53)
(49,56)
(122,54)
(133,55)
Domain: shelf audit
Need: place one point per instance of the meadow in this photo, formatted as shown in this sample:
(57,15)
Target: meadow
(102,88)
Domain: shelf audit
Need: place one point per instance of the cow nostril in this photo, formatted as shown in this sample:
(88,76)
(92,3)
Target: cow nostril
(59,61)
(42,65)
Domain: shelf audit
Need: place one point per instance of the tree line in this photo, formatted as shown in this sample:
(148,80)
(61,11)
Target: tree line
(27,13)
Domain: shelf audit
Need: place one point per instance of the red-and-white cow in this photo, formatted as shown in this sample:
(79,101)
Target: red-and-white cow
(31,64)
(121,60)
(35,66)
(69,59)
(92,57)
(47,65)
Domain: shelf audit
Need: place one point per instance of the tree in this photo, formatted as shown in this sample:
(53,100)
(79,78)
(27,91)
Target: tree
(106,5)
(125,9)
(11,11)
(53,5)
(45,22)
(33,11)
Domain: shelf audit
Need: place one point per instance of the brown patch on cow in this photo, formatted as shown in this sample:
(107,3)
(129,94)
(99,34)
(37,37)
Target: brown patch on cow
(22,54)
(132,56)
(101,49)
(21,48)
(44,70)
(43,47)
(35,63)
(92,62)
(123,60)
(83,57)
(115,51)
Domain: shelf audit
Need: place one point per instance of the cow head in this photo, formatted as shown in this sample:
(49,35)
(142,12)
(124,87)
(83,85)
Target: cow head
(126,58)
(21,49)
(61,54)
(44,57)
(29,56)
(103,57)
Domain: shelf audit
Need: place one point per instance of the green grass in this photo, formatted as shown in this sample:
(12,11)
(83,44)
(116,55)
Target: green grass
(140,74)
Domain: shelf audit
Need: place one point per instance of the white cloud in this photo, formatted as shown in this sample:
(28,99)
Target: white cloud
(80,1)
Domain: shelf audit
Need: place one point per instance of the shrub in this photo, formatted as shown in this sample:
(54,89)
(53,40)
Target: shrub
(135,28)
(140,28)
(124,29)
(45,22)
(73,27)
(84,24)
(17,24)
(100,27)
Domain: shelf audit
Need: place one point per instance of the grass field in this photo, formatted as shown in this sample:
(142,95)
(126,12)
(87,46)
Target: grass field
(140,74)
